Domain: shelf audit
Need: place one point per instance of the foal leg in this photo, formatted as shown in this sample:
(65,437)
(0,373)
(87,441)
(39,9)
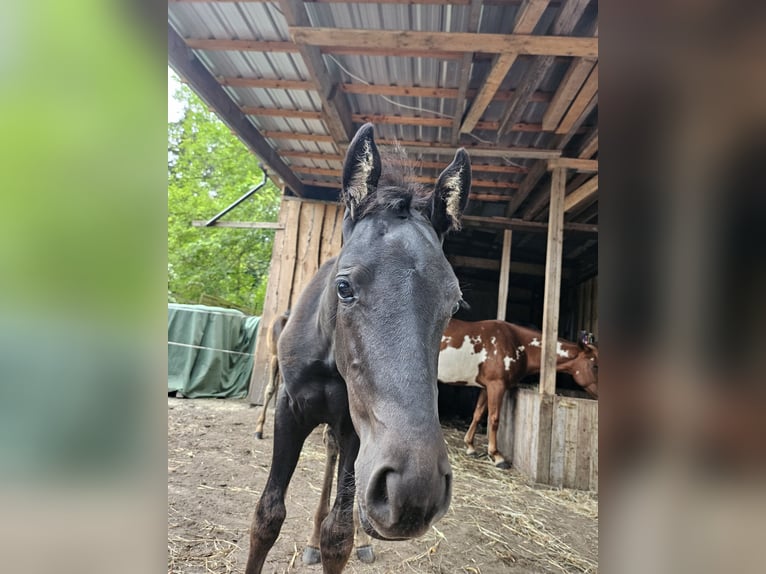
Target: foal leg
(495,393)
(289,436)
(268,392)
(338,528)
(311,552)
(481,408)
(364,550)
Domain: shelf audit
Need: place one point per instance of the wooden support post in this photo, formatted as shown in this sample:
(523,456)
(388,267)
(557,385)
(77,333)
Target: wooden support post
(505,269)
(552,282)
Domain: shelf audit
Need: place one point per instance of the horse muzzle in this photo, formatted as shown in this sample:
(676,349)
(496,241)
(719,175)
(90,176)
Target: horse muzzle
(403,501)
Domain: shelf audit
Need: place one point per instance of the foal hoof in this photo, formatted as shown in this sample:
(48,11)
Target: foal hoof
(366,554)
(503,464)
(311,556)
(259,435)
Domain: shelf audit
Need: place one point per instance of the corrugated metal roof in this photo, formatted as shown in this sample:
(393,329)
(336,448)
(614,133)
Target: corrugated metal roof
(264,21)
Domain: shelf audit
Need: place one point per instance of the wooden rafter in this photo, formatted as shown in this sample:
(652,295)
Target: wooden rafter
(580,103)
(268,83)
(336,113)
(480,167)
(329,172)
(525,24)
(454,41)
(570,85)
(529,183)
(464,72)
(581,194)
(575,164)
(236,45)
(565,22)
(424,92)
(522,225)
(281,113)
(589,145)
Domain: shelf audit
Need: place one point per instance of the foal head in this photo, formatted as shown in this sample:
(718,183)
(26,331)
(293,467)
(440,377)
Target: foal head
(584,368)
(395,292)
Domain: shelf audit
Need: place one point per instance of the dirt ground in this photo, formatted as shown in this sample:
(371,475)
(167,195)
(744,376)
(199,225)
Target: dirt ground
(497,522)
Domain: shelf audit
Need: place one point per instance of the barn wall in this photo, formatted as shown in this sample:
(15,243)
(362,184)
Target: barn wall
(572,425)
(312,234)
(587,306)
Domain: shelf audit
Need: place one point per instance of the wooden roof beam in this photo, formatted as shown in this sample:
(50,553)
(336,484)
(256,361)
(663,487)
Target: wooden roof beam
(336,113)
(565,22)
(575,164)
(568,88)
(425,92)
(281,113)
(579,105)
(329,172)
(268,83)
(188,67)
(581,194)
(452,41)
(523,225)
(589,145)
(528,17)
(464,73)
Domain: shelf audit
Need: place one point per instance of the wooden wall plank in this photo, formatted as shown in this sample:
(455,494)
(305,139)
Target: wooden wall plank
(557,441)
(287,271)
(584,440)
(259,376)
(544,430)
(594,455)
(570,447)
(505,273)
(586,324)
(594,309)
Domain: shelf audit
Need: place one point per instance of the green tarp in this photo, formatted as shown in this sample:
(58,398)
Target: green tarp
(210,351)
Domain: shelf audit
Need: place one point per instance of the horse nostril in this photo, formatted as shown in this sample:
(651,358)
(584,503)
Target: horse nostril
(378,493)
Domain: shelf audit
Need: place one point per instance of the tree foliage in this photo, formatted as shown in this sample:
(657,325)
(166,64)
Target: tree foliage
(208,169)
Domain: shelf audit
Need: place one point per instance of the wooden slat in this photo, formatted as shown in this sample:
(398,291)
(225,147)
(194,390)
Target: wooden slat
(581,194)
(524,225)
(589,146)
(490,86)
(587,297)
(464,72)
(193,71)
(594,452)
(584,444)
(331,230)
(544,432)
(240,224)
(424,92)
(552,283)
(302,137)
(281,113)
(288,254)
(215,44)
(565,23)
(268,83)
(561,408)
(505,275)
(417,164)
(453,41)
(568,88)
(575,164)
(418,178)
(580,103)
(570,447)
(475,150)
(526,21)
(259,376)
(435,122)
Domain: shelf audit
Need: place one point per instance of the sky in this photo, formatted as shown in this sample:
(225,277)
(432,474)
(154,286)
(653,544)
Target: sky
(175,109)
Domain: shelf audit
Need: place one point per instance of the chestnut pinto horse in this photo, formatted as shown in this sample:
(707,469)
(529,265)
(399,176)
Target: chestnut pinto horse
(387,296)
(495,356)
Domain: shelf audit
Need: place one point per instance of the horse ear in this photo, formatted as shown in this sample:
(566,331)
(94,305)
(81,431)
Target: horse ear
(451,194)
(361,169)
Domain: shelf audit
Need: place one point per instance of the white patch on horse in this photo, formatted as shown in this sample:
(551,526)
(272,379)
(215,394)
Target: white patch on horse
(592,359)
(535,343)
(560,351)
(452,184)
(358,184)
(476,340)
(446,339)
(507,362)
(493,340)
(461,365)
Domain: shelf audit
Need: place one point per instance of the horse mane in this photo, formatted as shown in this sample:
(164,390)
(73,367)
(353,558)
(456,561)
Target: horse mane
(397,189)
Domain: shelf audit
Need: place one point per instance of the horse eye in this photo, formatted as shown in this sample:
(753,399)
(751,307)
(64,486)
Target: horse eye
(345,292)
